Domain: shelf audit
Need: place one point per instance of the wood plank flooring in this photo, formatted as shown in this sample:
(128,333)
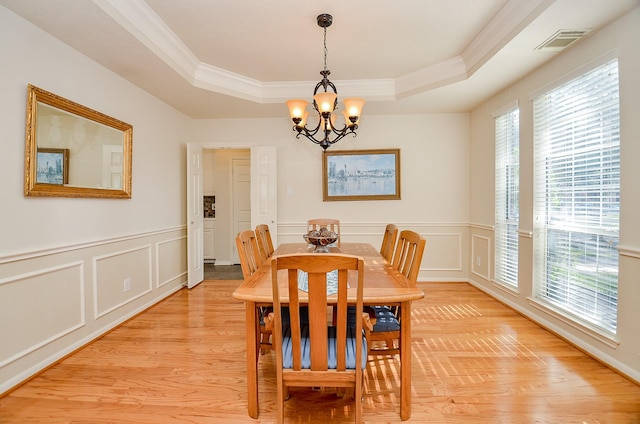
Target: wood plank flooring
(183,361)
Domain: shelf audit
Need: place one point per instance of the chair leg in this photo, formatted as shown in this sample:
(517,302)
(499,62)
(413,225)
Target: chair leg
(282,393)
(357,395)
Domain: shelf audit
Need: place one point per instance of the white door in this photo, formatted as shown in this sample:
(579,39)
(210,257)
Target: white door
(241,198)
(112,167)
(264,189)
(195,257)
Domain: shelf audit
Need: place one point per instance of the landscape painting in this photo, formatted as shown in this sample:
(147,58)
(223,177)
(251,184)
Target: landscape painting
(361,175)
(52,166)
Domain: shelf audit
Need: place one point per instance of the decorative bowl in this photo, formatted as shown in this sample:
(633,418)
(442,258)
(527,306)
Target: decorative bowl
(321,242)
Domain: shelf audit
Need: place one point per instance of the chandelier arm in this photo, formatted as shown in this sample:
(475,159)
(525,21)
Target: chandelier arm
(342,130)
(305,131)
(326,141)
(309,137)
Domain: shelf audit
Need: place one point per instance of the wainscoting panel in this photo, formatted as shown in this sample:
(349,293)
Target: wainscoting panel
(112,271)
(443,252)
(32,312)
(171,261)
(480,256)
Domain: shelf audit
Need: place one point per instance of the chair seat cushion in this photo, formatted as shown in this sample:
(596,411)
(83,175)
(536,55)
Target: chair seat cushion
(287,355)
(385,319)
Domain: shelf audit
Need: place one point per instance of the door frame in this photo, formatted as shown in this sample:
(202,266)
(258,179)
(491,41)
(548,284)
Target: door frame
(255,192)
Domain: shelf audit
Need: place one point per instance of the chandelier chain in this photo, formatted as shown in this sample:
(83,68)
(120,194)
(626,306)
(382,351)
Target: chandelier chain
(326,50)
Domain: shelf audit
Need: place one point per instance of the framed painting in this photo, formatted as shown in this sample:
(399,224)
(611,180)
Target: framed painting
(52,166)
(361,175)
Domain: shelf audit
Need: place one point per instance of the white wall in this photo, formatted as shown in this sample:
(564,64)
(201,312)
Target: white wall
(434,176)
(63,260)
(622,37)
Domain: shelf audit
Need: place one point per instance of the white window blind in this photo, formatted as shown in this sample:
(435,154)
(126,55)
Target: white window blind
(577,196)
(507,188)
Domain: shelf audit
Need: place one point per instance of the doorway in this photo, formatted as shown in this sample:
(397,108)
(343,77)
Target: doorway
(201,171)
(227,176)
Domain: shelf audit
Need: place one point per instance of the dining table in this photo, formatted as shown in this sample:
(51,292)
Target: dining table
(383,285)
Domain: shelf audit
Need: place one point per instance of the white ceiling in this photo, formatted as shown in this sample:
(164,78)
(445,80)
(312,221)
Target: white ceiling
(239,59)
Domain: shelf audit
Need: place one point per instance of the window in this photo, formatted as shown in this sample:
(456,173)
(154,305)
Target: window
(507,196)
(577,197)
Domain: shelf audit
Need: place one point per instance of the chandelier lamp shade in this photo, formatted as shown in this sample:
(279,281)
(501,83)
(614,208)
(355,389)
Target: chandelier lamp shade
(325,104)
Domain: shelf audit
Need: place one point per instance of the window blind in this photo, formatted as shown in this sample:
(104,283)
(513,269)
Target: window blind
(507,187)
(577,196)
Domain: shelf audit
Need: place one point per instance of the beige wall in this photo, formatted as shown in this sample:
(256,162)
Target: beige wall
(623,351)
(63,261)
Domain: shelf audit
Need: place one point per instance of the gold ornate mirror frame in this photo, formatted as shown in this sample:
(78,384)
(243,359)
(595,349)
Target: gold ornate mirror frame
(74,151)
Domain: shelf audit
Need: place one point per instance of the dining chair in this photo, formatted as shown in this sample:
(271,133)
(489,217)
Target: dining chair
(247,247)
(250,261)
(317,352)
(389,242)
(386,319)
(265,244)
(329,223)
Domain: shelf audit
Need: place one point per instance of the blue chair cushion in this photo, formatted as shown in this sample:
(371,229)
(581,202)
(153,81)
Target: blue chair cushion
(287,355)
(385,319)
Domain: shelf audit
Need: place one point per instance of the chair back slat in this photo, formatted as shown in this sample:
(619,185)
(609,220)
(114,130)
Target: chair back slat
(318,327)
(342,319)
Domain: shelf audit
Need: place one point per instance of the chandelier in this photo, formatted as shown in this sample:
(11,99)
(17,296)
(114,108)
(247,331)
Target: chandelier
(325,103)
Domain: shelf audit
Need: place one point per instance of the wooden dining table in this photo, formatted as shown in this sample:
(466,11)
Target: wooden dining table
(383,286)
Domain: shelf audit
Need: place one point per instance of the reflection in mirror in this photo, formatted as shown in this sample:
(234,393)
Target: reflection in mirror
(74,151)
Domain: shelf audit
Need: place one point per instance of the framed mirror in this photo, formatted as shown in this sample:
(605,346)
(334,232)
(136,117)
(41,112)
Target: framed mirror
(74,151)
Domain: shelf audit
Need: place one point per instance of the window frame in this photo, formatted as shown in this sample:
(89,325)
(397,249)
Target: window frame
(567,169)
(507,195)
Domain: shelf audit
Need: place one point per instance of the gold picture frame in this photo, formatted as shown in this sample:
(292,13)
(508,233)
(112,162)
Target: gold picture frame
(96,149)
(361,175)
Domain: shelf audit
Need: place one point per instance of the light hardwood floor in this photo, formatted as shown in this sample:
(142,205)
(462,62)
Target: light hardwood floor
(182,361)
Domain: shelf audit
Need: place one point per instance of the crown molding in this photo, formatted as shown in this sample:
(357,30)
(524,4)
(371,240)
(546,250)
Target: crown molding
(224,82)
(143,23)
(438,75)
(508,22)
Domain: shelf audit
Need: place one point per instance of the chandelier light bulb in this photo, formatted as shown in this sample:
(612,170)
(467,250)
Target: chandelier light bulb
(297,108)
(325,101)
(353,106)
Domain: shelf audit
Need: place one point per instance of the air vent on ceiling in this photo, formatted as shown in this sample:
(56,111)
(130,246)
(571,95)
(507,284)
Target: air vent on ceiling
(562,39)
